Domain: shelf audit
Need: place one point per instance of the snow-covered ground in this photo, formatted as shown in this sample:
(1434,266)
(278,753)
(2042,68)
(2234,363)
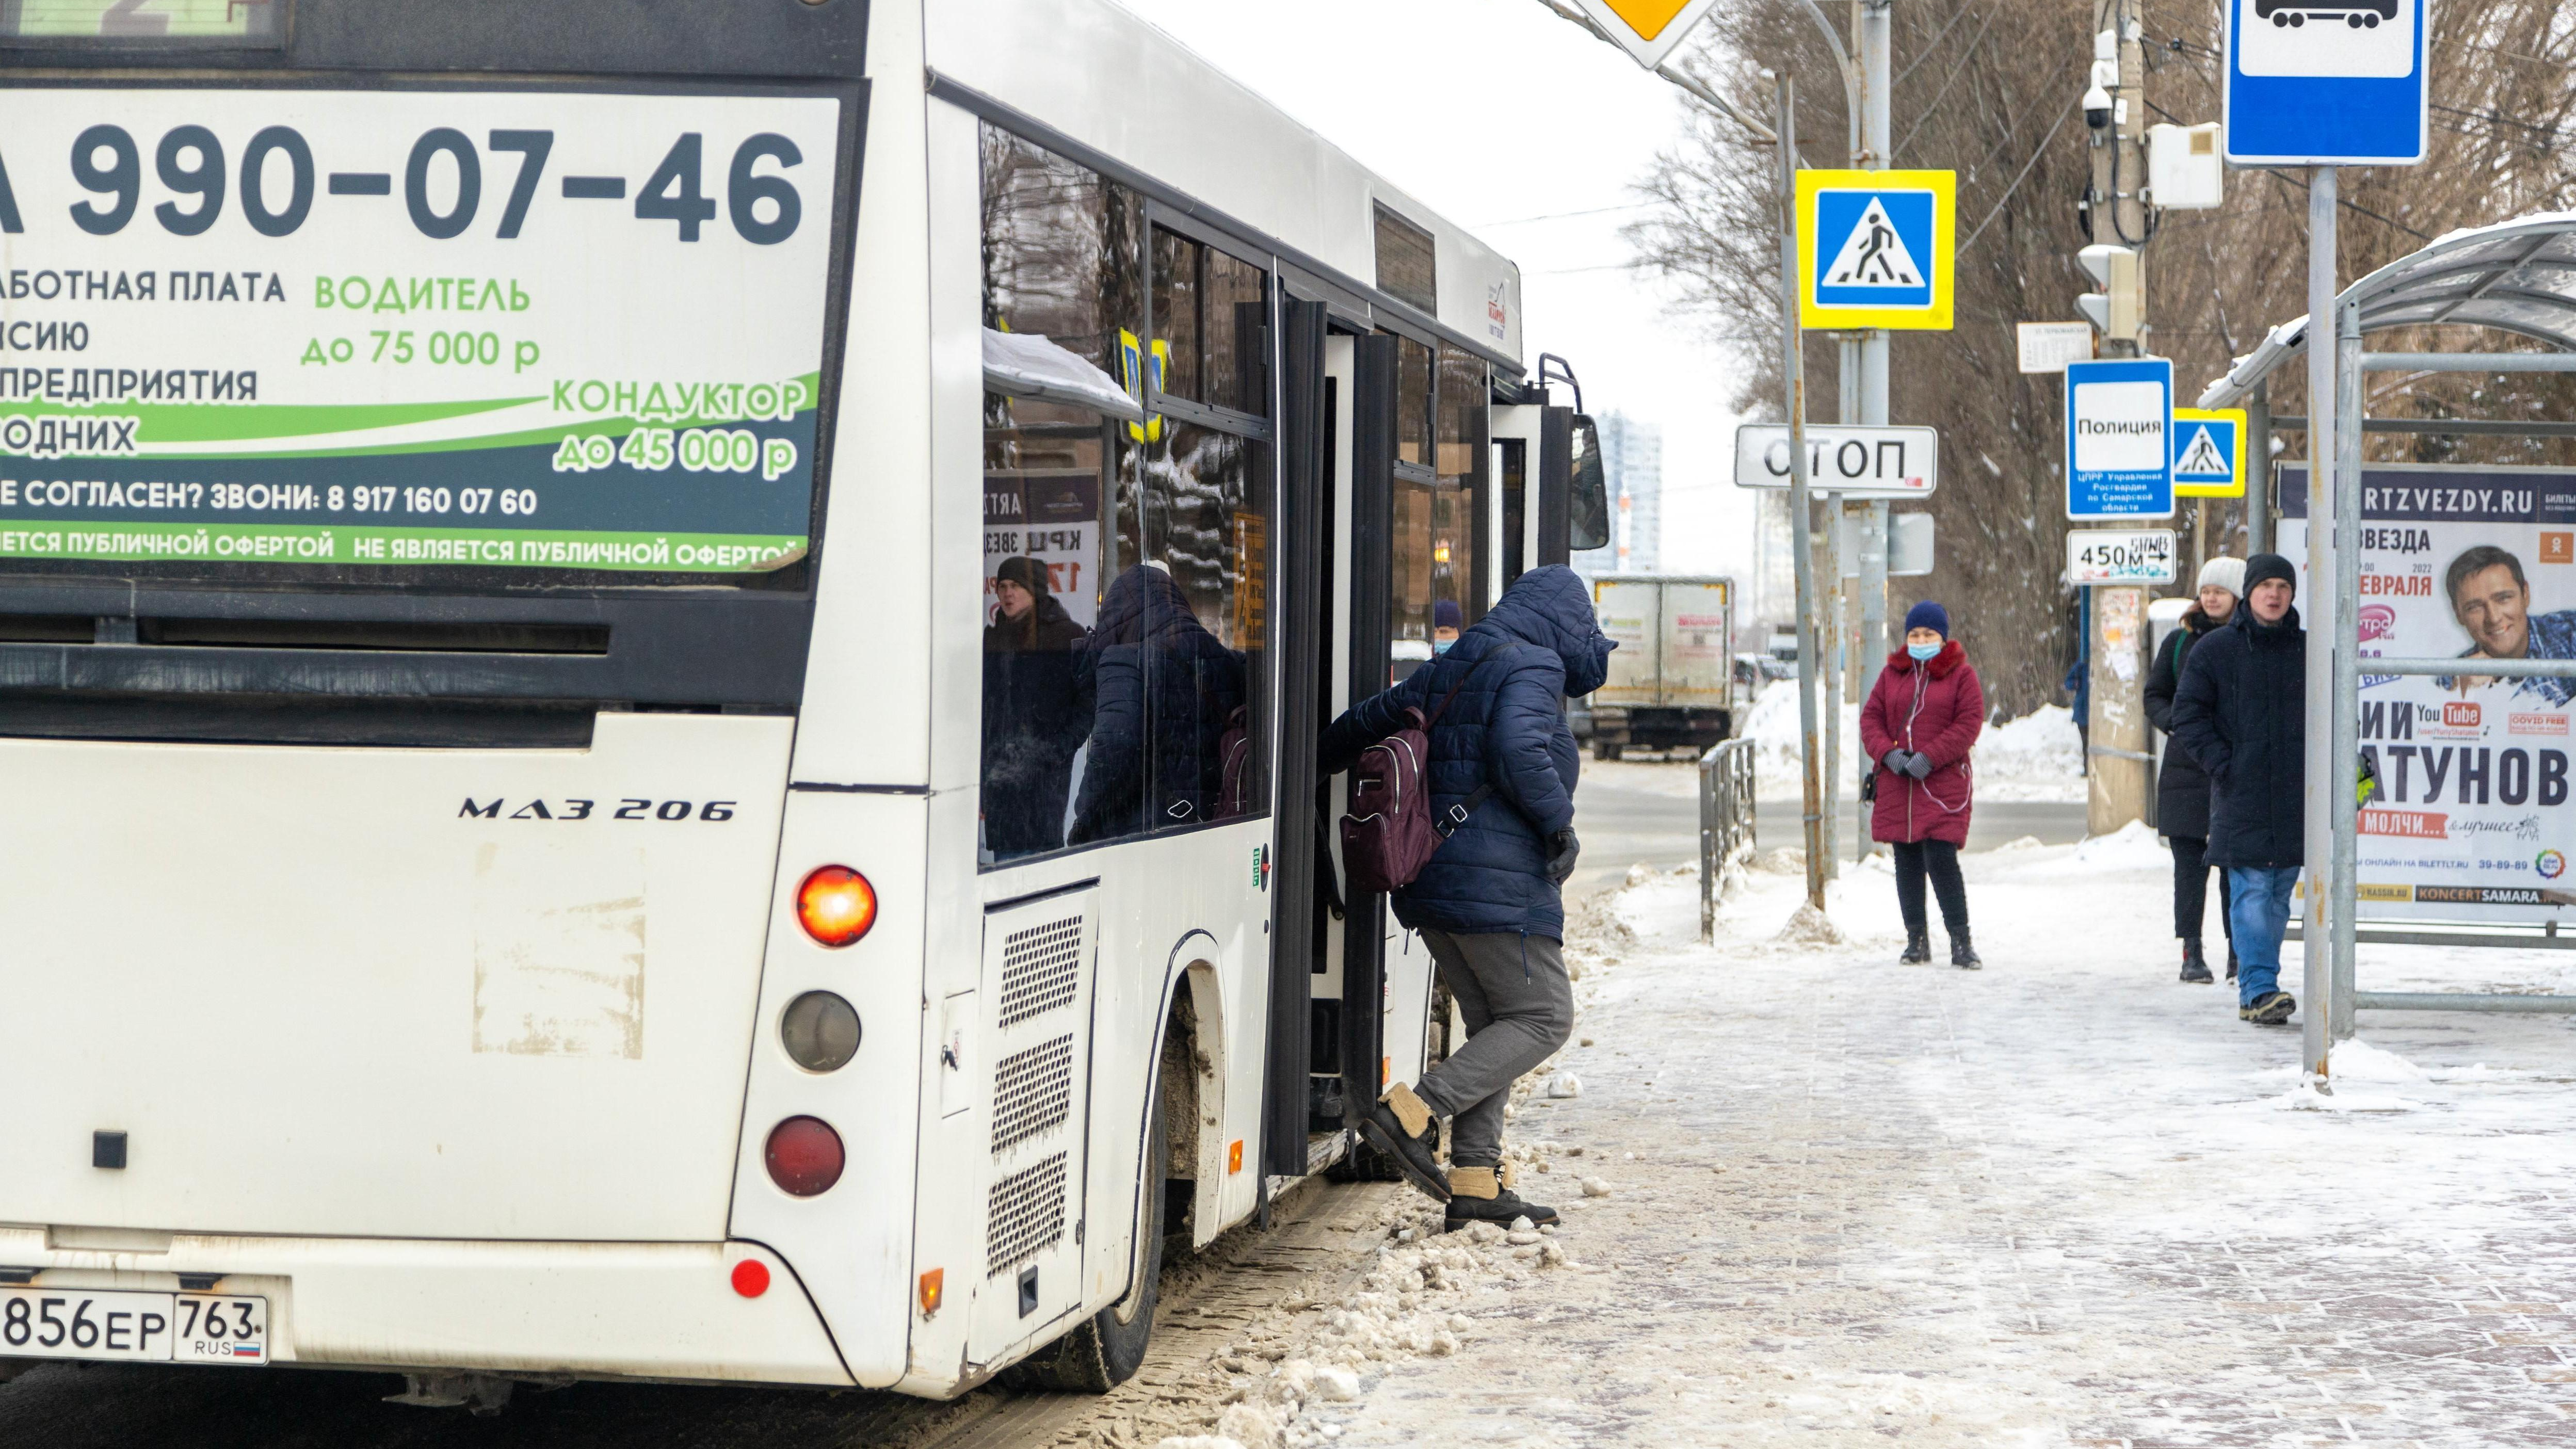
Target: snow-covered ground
(2036,757)
(2065,1200)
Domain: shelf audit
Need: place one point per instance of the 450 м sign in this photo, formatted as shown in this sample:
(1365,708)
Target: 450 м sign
(522,328)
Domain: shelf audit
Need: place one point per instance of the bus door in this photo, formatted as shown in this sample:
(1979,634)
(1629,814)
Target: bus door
(1305,890)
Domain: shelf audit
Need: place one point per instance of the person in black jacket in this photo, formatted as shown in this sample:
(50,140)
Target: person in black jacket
(1164,692)
(1488,905)
(2182,786)
(1035,716)
(2242,712)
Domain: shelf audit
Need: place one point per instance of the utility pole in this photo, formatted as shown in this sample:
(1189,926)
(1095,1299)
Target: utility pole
(1873,21)
(2116,688)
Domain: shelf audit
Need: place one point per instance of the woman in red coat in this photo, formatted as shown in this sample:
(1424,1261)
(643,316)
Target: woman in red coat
(1918,726)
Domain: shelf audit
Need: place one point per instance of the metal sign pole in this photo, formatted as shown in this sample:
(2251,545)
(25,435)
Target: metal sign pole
(1801,510)
(2346,729)
(2324,630)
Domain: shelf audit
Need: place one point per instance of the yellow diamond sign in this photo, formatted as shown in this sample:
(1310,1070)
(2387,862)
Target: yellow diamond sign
(1648,30)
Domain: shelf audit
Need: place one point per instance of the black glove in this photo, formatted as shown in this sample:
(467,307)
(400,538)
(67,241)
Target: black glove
(1918,765)
(1562,849)
(1895,760)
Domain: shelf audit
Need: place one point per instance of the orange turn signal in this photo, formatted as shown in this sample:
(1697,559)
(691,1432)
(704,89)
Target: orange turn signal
(836,905)
(931,1283)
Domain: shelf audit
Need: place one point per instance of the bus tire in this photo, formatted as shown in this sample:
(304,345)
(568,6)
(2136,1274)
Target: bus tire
(1109,1346)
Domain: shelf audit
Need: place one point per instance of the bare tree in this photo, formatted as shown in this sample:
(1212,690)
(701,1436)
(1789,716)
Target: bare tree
(1991,89)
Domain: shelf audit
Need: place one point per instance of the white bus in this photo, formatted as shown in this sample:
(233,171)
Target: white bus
(659,668)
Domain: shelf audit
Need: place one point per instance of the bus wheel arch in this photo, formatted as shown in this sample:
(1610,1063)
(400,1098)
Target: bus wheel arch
(1191,1084)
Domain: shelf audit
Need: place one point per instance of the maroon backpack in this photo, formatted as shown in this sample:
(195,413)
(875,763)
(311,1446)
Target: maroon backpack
(1391,831)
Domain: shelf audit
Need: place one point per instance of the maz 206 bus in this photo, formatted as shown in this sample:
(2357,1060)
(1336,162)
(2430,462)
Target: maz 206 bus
(659,666)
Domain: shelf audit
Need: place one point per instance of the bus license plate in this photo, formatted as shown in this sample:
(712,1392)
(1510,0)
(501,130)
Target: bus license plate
(142,1327)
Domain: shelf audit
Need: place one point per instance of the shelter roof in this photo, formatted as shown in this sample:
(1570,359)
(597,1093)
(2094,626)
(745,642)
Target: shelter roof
(2516,276)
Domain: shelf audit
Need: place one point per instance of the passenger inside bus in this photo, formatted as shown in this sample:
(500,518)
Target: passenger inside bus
(1167,696)
(1035,717)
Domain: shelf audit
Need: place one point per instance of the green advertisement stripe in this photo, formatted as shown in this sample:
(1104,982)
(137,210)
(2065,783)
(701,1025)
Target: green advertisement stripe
(698,553)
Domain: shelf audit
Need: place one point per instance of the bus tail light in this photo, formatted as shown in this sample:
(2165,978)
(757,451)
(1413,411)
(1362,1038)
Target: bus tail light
(836,905)
(805,1156)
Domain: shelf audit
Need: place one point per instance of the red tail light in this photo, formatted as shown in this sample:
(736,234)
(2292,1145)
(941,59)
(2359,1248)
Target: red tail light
(804,1156)
(836,905)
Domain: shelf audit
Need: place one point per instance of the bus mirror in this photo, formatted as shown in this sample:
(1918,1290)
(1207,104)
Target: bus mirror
(1588,506)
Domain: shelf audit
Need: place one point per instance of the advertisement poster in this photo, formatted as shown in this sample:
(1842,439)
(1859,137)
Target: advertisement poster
(517,328)
(1053,517)
(2472,820)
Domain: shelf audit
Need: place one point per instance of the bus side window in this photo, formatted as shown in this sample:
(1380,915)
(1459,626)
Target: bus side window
(1063,274)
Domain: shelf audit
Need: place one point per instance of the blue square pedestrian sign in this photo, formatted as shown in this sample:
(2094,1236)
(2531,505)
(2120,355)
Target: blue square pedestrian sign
(2119,430)
(2326,82)
(1875,249)
(2209,452)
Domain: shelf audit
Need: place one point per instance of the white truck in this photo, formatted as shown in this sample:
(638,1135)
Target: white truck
(1672,678)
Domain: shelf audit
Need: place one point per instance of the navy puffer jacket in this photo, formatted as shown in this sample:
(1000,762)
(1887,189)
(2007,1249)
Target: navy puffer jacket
(1165,691)
(1506,728)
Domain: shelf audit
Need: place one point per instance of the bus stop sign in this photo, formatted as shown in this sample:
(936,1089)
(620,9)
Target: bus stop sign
(2326,82)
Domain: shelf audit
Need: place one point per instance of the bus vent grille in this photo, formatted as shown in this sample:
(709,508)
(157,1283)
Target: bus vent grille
(1032,1093)
(1041,967)
(1026,1216)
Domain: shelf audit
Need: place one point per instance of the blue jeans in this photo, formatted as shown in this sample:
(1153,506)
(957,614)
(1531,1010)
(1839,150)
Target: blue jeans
(2260,912)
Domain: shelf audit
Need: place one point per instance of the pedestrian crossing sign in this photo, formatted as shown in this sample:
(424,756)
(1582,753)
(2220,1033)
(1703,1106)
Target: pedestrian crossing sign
(2209,452)
(1875,249)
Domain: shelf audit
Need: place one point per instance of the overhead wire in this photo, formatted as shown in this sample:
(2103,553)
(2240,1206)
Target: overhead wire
(2036,152)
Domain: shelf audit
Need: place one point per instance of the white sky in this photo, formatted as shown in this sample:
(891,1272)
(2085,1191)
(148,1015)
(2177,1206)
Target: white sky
(1494,111)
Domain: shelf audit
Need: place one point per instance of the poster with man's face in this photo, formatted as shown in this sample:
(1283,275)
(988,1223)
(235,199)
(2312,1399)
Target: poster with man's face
(2472,819)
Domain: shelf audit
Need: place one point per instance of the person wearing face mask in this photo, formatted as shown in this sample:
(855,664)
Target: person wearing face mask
(1489,904)
(1922,718)
(2182,786)
(1444,625)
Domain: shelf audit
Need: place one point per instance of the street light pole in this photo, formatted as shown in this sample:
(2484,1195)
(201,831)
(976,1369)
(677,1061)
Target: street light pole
(1794,383)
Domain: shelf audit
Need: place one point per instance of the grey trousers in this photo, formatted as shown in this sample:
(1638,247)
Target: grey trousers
(1519,1007)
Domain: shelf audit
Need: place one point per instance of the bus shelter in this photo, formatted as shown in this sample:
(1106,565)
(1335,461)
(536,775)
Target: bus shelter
(2516,279)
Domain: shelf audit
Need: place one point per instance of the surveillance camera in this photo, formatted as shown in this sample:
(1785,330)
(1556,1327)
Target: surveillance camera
(2097,108)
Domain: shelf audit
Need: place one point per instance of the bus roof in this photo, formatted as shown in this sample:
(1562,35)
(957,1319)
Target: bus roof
(1091,74)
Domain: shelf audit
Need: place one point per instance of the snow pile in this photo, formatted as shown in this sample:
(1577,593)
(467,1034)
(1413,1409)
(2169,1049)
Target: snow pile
(1811,928)
(2133,846)
(2039,756)
(1772,725)
(1404,1307)
(2359,1061)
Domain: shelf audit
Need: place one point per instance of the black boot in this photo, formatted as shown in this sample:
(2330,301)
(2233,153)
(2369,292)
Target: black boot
(2195,967)
(1962,954)
(1918,947)
(2231,960)
(1402,1127)
(1483,1195)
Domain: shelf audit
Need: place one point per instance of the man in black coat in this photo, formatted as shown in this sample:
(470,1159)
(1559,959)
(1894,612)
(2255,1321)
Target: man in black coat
(2242,712)
(2182,786)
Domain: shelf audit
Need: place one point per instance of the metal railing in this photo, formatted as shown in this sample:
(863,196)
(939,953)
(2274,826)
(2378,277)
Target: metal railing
(1725,822)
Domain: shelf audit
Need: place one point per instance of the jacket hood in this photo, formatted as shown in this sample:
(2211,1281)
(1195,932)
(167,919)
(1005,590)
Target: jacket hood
(1551,609)
(1942,664)
(1142,603)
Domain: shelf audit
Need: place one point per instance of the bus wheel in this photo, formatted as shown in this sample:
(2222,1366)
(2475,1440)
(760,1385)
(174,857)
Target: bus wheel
(1108,1347)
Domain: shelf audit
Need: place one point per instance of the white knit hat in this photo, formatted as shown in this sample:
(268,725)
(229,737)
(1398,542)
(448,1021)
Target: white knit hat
(2227,573)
